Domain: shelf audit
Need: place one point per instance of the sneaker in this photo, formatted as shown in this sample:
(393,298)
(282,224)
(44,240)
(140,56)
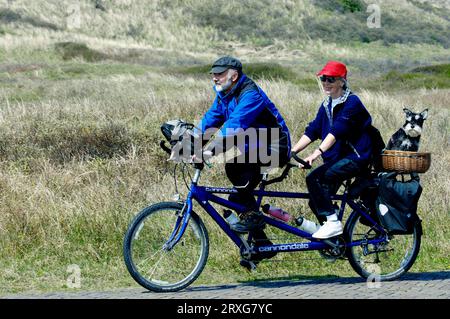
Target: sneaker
(329,229)
(250,221)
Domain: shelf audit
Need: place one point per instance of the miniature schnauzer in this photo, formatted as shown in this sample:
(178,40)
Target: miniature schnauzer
(407,137)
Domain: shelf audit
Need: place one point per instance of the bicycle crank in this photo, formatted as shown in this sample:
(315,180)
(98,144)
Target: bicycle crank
(336,249)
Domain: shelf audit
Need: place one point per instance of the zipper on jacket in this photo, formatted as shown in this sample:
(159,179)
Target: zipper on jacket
(354,149)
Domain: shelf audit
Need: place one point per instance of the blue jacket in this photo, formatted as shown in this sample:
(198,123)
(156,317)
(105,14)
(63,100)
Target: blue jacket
(245,106)
(348,124)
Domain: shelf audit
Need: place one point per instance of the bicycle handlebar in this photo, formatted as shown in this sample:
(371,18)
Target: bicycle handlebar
(162,144)
(283,175)
(306,165)
(166,149)
(286,170)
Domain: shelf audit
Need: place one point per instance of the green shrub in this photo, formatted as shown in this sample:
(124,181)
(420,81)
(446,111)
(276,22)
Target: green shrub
(63,142)
(430,77)
(9,16)
(256,71)
(352,27)
(341,5)
(268,71)
(439,69)
(352,5)
(136,31)
(253,70)
(71,50)
(260,22)
(263,22)
(81,142)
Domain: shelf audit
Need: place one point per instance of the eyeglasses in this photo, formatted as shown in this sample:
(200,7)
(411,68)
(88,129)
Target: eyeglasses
(328,79)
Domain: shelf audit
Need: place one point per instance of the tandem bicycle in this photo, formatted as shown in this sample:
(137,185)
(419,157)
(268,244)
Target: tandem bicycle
(166,245)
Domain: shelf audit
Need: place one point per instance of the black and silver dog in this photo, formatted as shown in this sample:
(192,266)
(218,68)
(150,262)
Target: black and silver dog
(407,137)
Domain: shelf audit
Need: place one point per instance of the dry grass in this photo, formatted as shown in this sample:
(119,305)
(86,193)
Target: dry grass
(62,208)
(78,140)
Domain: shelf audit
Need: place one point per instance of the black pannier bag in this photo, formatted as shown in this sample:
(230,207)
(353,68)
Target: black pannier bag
(396,203)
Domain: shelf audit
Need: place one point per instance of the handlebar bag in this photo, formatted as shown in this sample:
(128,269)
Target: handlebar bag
(396,203)
(175,130)
(181,137)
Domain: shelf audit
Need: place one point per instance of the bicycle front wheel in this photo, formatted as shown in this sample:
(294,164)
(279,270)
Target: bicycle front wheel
(384,261)
(148,260)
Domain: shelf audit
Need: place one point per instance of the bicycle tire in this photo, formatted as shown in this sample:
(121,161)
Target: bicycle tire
(170,270)
(377,266)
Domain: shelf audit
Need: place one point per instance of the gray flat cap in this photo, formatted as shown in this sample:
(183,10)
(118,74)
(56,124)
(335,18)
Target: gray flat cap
(225,63)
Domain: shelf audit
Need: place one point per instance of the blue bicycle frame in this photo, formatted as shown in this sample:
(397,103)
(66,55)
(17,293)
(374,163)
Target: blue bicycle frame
(205,194)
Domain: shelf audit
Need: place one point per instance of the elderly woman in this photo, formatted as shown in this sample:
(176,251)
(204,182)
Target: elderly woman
(345,147)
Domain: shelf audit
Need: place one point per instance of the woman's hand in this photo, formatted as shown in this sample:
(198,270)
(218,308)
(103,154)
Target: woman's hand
(327,143)
(311,158)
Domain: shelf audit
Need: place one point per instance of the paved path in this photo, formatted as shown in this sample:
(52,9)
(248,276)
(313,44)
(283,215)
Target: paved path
(431,285)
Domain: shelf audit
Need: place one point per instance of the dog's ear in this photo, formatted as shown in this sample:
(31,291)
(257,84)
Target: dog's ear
(407,111)
(424,114)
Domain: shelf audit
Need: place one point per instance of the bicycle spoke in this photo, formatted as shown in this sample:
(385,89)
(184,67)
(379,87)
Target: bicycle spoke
(155,266)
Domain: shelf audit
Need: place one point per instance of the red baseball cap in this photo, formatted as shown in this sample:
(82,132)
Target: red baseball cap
(334,68)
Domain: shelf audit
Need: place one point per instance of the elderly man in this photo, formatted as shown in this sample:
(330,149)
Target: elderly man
(250,121)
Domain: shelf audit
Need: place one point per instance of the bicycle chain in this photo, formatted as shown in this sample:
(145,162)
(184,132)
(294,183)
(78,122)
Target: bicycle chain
(323,253)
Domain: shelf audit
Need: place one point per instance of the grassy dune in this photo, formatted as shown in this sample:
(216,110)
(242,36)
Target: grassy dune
(80,111)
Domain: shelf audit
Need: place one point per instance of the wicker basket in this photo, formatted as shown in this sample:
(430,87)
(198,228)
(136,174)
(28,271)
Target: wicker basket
(406,162)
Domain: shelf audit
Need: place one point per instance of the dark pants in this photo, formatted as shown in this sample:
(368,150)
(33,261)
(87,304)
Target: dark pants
(325,181)
(244,177)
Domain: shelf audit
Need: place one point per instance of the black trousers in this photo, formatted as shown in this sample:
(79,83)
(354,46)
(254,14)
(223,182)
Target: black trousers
(244,177)
(325,181)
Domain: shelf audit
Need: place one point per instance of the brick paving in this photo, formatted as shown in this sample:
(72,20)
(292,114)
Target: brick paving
(430,285)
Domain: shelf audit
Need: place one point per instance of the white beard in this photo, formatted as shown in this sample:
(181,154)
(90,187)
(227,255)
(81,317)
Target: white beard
(225,86)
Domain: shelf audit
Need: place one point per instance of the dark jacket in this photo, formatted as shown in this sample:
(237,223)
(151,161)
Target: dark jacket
(245,106)
(348,124)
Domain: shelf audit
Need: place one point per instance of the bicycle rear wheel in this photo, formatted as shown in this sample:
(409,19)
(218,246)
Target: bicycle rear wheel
(385,261)
(155,267)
